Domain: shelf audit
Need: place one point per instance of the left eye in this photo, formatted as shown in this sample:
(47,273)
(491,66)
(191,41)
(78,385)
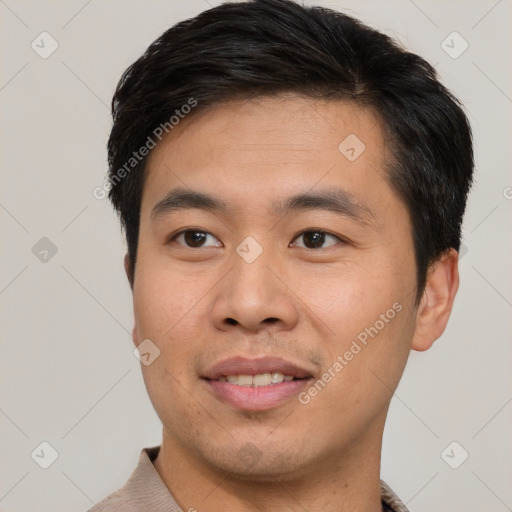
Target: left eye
(193,238)
(314,239)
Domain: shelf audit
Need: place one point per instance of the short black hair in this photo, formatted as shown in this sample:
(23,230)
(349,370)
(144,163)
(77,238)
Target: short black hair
(258,48)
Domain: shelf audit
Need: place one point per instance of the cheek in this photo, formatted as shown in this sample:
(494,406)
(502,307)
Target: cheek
(164,300)
(166,308)
(352,300)
(170,310)
(368,357)
(368,318)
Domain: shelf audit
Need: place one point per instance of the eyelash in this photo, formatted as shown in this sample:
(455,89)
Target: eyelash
(309,230)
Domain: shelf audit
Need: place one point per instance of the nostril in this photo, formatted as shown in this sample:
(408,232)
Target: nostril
(231,321)
(271,320)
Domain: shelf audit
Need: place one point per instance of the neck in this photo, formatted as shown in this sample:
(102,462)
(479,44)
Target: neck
(342,482)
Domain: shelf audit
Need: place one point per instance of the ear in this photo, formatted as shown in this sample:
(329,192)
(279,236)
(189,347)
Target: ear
(128,269)
(437,300)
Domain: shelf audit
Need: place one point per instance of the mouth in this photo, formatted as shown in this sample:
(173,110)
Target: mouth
(256,384)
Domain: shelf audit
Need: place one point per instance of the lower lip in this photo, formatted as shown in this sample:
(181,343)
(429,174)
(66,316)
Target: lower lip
(249,398)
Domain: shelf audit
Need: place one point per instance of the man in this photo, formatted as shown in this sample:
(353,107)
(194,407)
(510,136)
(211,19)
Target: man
(291,184)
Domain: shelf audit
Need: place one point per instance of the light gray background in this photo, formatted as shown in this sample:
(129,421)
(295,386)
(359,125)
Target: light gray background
(68,374)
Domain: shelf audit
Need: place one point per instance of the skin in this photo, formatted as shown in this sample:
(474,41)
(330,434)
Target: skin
(204,303)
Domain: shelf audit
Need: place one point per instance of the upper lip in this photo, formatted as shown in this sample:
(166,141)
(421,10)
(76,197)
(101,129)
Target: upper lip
(254,366)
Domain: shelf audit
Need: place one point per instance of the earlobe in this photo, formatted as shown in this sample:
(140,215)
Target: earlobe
(437,301)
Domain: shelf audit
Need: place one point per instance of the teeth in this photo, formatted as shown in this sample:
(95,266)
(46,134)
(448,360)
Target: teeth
(244,380)
(277,378)
(262,379)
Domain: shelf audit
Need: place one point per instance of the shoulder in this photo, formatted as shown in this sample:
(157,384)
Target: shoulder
(144,490)
(390,501)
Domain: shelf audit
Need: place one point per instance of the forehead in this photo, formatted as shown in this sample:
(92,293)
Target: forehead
(263,148)
(278,124)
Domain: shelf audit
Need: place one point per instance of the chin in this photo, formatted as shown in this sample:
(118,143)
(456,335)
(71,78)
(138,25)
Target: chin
(260,464)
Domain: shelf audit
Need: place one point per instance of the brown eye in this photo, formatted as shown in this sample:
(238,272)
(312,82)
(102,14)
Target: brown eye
(192,238)
(315,239)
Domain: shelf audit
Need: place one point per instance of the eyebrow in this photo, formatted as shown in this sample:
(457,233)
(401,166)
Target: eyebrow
(182,199)
(334,200)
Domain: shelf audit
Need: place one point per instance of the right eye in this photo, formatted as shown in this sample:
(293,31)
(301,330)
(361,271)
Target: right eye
(193,238)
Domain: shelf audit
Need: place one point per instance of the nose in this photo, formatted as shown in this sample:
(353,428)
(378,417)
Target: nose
(253,296)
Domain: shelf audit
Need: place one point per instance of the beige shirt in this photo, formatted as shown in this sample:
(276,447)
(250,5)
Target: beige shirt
(146,491)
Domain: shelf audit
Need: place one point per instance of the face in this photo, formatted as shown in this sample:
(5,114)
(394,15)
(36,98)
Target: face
(283,303)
